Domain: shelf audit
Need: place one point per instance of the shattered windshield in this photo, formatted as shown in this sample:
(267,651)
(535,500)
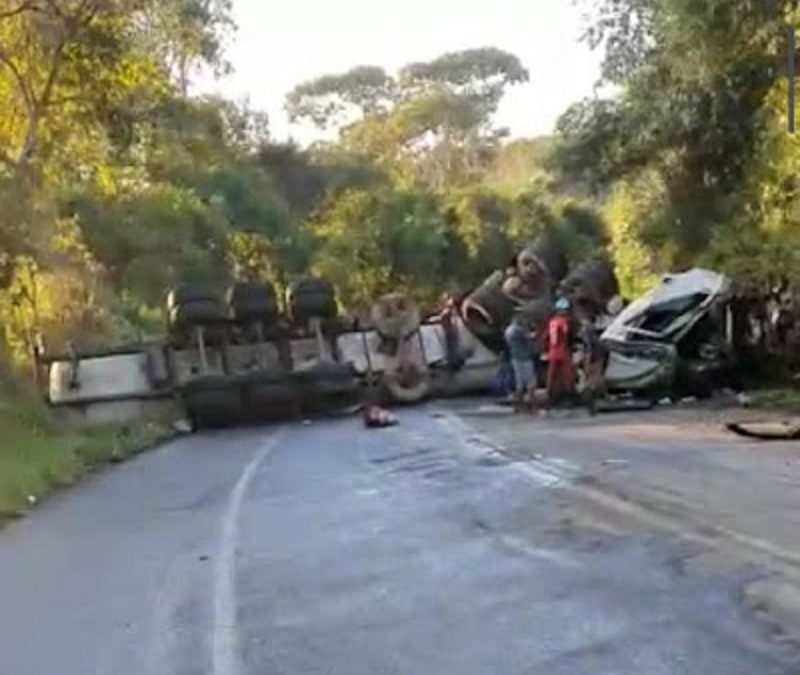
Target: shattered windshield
(661,317)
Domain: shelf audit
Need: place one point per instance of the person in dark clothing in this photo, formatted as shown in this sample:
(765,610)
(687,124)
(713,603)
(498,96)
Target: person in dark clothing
(595,356)
(448,315)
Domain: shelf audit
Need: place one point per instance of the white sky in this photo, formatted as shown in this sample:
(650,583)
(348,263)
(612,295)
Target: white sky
(279,45)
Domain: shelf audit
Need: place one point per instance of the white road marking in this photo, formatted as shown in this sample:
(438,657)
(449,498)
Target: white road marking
(550,473)
(225,639)
(552,556)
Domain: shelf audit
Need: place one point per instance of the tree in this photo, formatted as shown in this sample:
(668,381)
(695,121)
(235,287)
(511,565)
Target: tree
(331,99)
(76,58)
(70,69)
(481,219)
(193,203)
(481,75)
(695,79)
(305,177)
(521,165)
(378,241)
(188,35)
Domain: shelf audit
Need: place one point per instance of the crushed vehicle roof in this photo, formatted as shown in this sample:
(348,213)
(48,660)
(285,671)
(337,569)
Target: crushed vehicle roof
(673,288)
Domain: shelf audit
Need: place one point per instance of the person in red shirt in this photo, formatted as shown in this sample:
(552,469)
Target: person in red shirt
(560,373)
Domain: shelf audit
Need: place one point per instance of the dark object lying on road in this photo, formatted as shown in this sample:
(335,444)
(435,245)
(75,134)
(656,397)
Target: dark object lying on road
(376,417)
(610,405)
(767,431)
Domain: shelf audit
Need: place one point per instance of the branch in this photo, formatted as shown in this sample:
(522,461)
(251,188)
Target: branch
(83,17)
(25,6)
(56,9)
(23,87)
(61,100)
(35,103)
(58,54)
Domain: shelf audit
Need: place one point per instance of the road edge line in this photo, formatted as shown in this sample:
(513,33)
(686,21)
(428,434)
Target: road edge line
(225,640)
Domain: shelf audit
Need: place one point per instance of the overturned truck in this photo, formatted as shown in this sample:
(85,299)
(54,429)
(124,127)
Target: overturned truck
(248,357)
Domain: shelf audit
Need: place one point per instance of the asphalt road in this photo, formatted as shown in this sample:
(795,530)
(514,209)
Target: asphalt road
(452,543)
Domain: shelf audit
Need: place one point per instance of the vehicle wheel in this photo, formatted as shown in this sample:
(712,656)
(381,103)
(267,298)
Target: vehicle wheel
(197,312)
(395,316)
(253,303)
(269,396)
(497,305)
(327,379)
(186,293)
(212,402)
(594,279)
(312,298)
(407,383)
(327,387)
(550,253)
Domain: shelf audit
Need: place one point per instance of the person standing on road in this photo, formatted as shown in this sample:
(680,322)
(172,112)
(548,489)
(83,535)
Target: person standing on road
(450,303)
(595,357)
(526,286)
(560,373)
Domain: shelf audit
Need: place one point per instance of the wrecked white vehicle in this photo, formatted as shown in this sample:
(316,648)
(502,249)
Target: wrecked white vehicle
(675,339)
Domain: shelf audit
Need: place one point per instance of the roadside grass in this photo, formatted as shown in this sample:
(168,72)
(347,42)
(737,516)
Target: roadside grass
(38,455)
(779,398)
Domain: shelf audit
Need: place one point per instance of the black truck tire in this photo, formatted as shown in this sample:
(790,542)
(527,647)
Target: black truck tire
(252,302)
(269,396)
(551,255)
(197,312)
(594,279)
(312,298)
(488,307)
(188,293)
(212,402)
(410,383)
(327,387)
(326,379)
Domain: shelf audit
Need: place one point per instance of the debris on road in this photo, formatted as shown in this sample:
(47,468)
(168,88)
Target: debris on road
(182,426)
(611,405)
(767,431)
(491,410)
(376,417)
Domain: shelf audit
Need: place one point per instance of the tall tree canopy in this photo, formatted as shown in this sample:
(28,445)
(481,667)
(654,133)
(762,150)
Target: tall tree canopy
(698,85)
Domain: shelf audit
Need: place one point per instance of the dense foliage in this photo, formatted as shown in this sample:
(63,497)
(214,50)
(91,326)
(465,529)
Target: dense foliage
(692,158)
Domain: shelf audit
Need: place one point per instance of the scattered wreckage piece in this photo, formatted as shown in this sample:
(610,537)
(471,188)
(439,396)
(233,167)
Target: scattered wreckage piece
(621,405)
(375,417)
(767,431)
